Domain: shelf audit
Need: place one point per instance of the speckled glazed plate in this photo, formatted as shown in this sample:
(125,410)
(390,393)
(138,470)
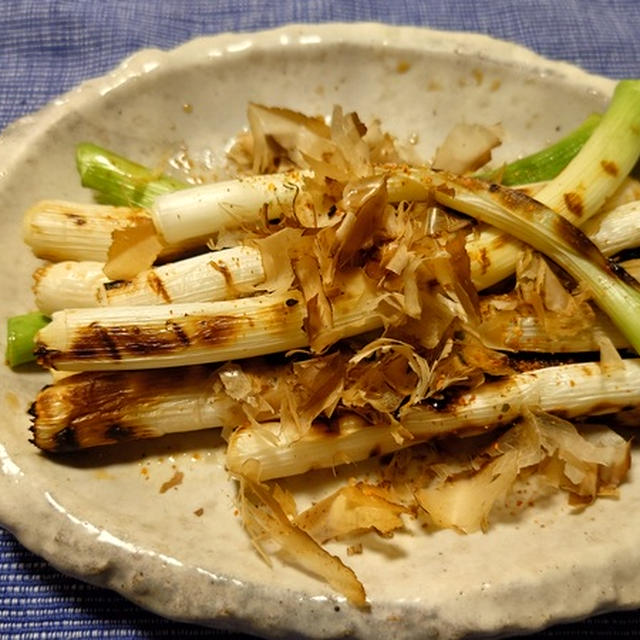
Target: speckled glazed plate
(183,552)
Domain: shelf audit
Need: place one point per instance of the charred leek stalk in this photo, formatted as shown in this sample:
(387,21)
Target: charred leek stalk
(577,193)
(612,288)
(588,180)
(362,249)
(212,276)
(87,409)
(104,340)
(569,391)
(60,230)
(94,408)
(222,206)
(175,335)
(171,335)
(617,230)
(517,332)
(605,160)
(68,284)
(223,274)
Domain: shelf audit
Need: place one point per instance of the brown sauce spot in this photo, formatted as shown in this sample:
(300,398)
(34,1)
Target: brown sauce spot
(157,286)
(40,273)
(478,76)
(11,400)
(499,241)
(574,203)
(610,167)
(174,481)
(448,191)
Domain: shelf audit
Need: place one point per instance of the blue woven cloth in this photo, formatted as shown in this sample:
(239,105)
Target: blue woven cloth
(48,46)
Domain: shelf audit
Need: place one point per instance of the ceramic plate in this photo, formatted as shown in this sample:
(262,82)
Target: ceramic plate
(103,517)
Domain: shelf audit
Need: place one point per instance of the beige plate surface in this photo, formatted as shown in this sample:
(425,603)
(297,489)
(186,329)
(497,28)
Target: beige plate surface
(102,517)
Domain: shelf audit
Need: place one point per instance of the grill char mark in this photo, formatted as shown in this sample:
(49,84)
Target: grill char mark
(530,208)
(97,408)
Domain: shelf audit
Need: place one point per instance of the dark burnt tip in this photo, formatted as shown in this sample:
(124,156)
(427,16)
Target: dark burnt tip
(33,439)
(114,284)
(44,356)
(40,351)
(65,440)
(622,274)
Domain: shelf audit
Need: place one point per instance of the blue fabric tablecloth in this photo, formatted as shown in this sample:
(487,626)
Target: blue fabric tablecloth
(48,46)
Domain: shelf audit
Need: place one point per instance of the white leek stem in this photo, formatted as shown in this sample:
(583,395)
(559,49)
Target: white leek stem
(209,209)
(191,333)
(569,391)
(60,230)
(491,251)
(68,284)
(218,275)
(612,289)
(616,230)
(592,177)
(91,409)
